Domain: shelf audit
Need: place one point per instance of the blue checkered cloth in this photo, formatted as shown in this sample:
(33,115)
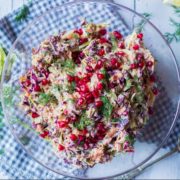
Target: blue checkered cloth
(15,162)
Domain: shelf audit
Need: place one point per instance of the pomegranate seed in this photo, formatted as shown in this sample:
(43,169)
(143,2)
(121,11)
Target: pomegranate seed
(149,64)
(136,47)
(44,134)
(85,79)
(34,115)
(99,64)
(155,91)
(113,62)
(103,40)
(100,86)
(89,96)
(84,132)
(27,83)
(84,88)
(95,93)
(100,76)
(141,64)
(37,88)
(102,32)
(101,52)
(71,119)
(44,82)
(133,66)
(117,34)
(139,56)
(89,75)
(70,78)
(89,68)
(80,137)
(83,40)
(62,124)
(140,35)
(78,31)
(76,78)
(73,137)
(61,147)
(80,102)
(152,78)
(81,55)
(120,53)
(121,45)
(98,103)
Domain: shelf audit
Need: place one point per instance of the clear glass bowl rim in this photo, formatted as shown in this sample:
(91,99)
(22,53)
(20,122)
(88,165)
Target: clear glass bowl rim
(118,6)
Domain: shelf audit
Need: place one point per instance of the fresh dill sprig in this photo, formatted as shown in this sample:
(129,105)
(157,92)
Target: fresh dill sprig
(176,10)
(23,13)
(175,36)
(139,27)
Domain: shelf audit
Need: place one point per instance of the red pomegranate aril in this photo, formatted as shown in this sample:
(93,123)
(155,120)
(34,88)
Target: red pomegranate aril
(98,103)
(136,47)
(89,68)
(80,102)
(101,52)
(44,134)
(100,76)
(113,61)
(141,64)
(99,64)
(139,56)
(121,45)
(83,40)
(155,91)
(34,115)
(27,83)
(140,35)
(86,79)
(76,78)
(73,137)
(61,147)
(133,66)
(100,86)
(84,88)
(95,93)
(37,88)
(84,132)
(117,34)
(102,32)
(78,31)
(103,40)
(70,78)
(80,137)
(62,124)
(152,78)
(149,64)
(44,82)
(120,53)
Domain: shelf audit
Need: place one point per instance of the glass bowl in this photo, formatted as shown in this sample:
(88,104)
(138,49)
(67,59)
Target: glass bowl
(67,17)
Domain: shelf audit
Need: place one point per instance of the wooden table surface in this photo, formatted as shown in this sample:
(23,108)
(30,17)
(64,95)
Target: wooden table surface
(170,167)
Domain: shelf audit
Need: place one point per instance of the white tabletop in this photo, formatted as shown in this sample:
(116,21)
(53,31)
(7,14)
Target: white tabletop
(168,168)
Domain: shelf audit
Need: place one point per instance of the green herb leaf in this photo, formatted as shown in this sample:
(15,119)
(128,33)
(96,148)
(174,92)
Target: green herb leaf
(83,122)
(130,139)
(2,59)
(114,42)
(139,27)
(115,120)
(174,36)
(107,107)
(46,98)
(71,87)
(22,15)
(128,84)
